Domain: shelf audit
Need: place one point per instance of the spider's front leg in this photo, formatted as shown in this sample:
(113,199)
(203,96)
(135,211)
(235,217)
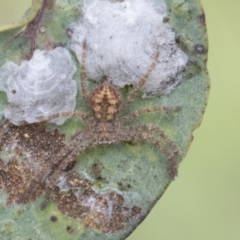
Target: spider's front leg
(66,157)
(56,173)
(54,164)
(143,80)
(148,110)
(64,114)
(83,73)
(140,132)
(59,170)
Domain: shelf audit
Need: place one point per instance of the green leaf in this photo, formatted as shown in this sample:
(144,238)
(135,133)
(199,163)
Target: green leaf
(28,17)
(119,183)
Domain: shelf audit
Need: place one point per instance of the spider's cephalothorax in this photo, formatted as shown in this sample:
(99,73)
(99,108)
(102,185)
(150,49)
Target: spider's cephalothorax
(105,125)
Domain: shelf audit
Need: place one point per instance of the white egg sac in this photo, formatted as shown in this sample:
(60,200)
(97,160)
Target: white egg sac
(42,86)
(122,39)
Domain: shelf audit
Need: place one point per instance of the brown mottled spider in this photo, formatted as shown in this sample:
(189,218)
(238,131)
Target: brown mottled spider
(106,127)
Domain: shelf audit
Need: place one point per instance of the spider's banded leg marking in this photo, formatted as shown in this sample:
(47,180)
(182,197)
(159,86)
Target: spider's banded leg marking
(172,160)
(137,87)
(67,149)
(55,162)
(149,110)
(83,73)
(55,173)
(66,152)
(63,164)
(135,136)
(64,114)
(172,157)
(59,157)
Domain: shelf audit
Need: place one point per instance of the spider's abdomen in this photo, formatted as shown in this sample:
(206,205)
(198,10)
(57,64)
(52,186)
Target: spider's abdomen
(105,102)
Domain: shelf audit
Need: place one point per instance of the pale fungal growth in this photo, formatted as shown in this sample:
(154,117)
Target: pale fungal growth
(123,38)
(42,86)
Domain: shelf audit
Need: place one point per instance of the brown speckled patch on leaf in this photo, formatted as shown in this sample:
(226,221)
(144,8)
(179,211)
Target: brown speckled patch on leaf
(26,155)
(31,139)
(15,179)
(103,211)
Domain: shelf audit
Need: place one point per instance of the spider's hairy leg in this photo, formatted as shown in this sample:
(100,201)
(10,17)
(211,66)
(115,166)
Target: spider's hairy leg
(61,167)
(173,159)
(66,151)
(148,110)
(137,87)
(140,133)
(54,162)
(64,114)
(58,172)
(83,72)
